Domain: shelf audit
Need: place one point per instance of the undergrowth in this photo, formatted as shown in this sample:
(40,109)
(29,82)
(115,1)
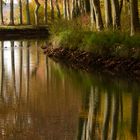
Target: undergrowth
(107,43)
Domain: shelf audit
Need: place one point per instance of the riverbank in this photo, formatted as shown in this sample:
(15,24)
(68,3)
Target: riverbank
(23,32)
(115,52)
(89,61)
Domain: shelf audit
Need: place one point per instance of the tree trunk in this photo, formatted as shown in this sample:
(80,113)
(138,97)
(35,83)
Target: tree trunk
(45,11)
(77,10)
(121,5)
(108,13)
(98,16)
(73,9)
(116,14)
(1,12)
(11,12)
(82,7)
(36,12)
(28,12)
(134,16)
(52,9)
(87,6)
(64,9)
(20,12)
(58,9)
(68,9)
(91,14)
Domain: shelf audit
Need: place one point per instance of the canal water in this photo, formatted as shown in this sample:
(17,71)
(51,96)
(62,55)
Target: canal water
(43,100)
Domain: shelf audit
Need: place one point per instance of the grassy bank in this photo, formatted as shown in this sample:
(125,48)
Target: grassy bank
(112,51)
(105,43)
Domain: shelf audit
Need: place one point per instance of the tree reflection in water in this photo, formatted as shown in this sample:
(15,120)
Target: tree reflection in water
(107,114)
(2,70)
(43,100)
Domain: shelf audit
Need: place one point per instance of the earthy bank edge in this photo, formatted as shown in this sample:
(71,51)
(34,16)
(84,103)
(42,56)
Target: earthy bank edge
(23,32)
(90,62)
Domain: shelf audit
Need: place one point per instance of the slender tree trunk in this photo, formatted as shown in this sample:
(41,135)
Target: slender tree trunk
(126,6)
(121,5)
(68,9)
(73,9)
(116,14)
(65,9)
(58,9)
(1,12)
(52,9)
(87,6)
(20,12)
(91,14)
(82,7)
(134,16)
(45,11)
(28,12)
(36,12)
(108,13)
(98,16)
(77,10)
(11,12)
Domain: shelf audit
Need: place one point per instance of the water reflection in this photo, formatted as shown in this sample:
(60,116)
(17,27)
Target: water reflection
(42,100)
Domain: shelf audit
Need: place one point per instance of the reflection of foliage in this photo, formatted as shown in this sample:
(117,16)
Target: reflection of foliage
(103,82)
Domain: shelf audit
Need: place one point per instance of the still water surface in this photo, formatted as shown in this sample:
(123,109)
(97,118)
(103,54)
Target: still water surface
(43,100)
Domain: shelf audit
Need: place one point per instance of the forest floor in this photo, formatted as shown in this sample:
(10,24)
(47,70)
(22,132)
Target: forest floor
(23,32)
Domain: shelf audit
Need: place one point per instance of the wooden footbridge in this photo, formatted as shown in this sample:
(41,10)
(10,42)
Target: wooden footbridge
(23,32)
(23,26)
